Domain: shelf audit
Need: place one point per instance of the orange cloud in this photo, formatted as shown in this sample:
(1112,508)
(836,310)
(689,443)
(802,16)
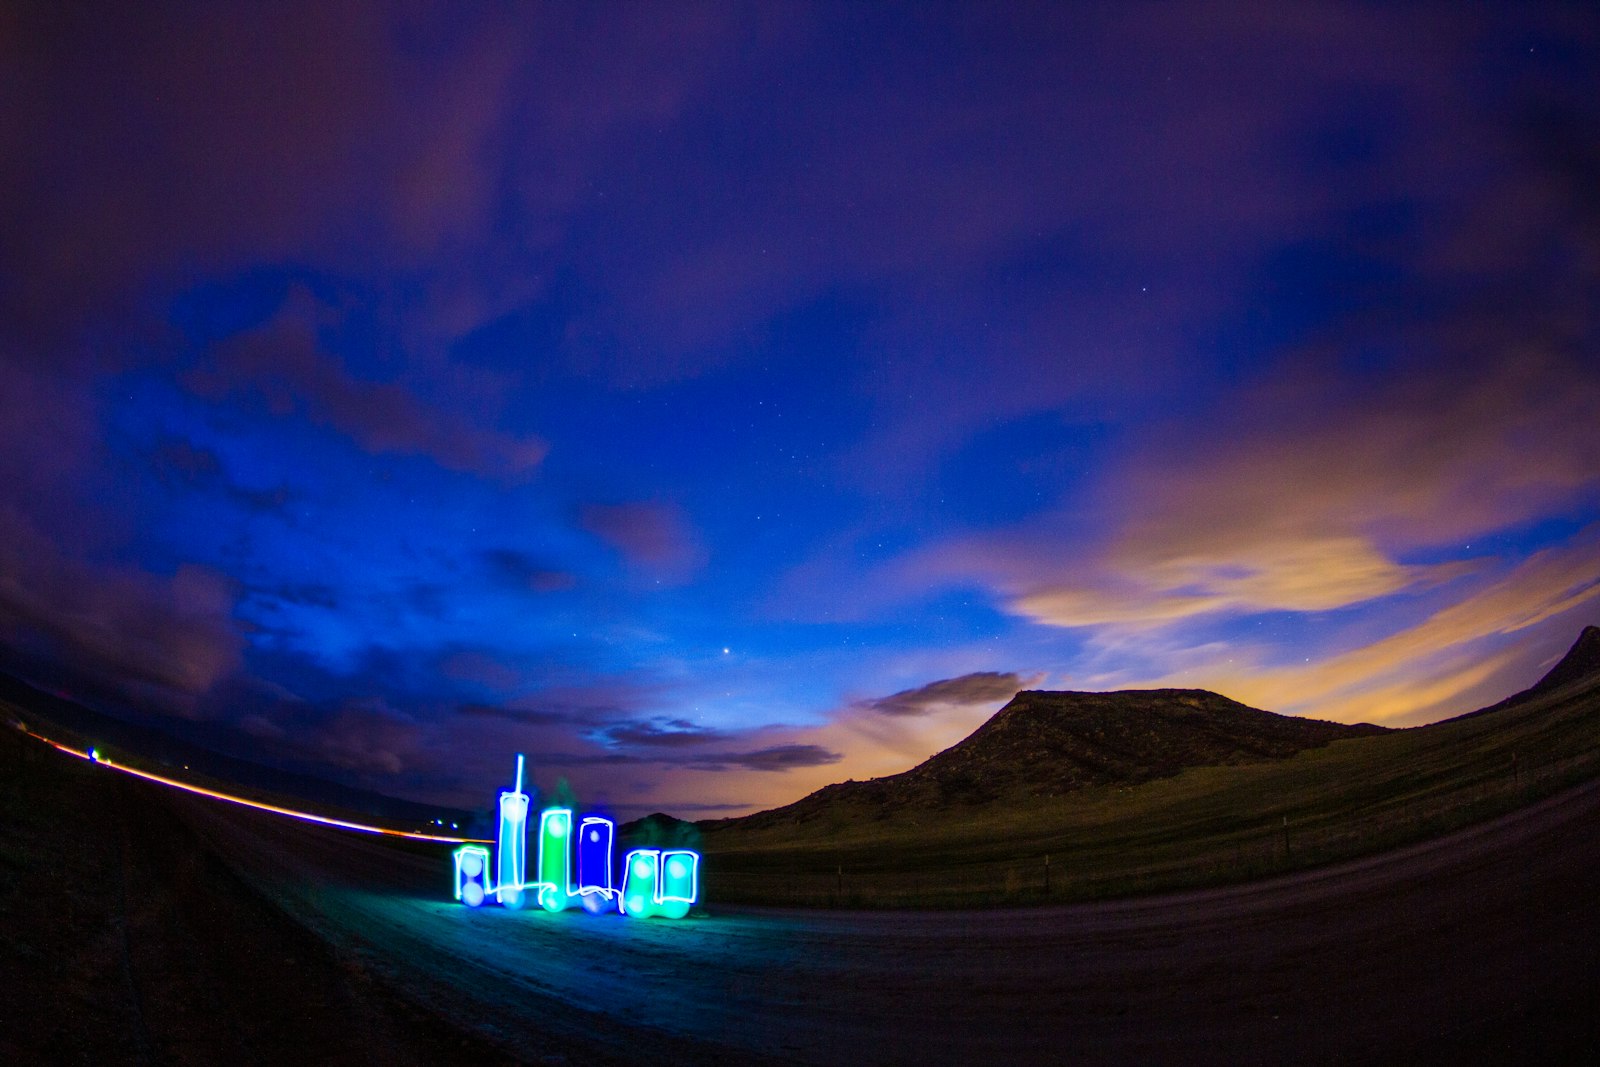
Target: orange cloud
(1438,662)
(1309,506)
(1158,584)
(861,738)
(1310,495)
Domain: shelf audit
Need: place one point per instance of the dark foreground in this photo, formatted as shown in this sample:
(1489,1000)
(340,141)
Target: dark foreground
(123,940)
(1481,947)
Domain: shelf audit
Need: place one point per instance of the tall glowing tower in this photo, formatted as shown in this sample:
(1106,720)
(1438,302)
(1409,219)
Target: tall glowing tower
(513,844)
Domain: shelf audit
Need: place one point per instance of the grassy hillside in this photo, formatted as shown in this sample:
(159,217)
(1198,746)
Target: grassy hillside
(1206,825)
(1044,744)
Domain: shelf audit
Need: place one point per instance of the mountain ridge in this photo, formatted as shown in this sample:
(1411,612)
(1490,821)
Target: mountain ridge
(1107,748)
(1581,662)
(1045,744)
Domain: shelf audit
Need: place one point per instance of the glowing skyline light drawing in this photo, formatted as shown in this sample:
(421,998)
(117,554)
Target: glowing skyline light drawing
(595,836)
(512,843)
(472,874)
(573,866)
(555,859)
(678,883)
(641,882)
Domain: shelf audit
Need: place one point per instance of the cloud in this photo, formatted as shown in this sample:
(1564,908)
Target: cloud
(260,726)
(858,738)
(1352,503)
(368,737)
(73,605)
(1248,574)
(1549,584)
(776,758)
(145,145)
(652,536)
(299,594)
(145,638)
(475,666)
(281,369)
(1309,502)
(181,464)
(1320,487)
(528,716)
(660,732)
(1470,650)
(176,459)
(980,687)
(1394,461)
(520,570)
(583,705)
(48,436)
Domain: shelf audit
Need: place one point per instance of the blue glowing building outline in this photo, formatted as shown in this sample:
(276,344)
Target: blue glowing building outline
(589,834)
(472,874)
(512,844)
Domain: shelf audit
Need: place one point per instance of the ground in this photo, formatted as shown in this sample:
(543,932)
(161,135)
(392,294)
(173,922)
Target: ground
(232,930)
(124,939)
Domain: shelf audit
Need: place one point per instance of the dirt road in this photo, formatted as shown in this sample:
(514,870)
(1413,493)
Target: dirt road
(1481,947)
(124,940)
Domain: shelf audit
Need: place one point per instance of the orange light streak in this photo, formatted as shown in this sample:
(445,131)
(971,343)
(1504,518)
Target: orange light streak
(257,804)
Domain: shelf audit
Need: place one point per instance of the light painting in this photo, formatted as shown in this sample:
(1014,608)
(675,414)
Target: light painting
(573,865)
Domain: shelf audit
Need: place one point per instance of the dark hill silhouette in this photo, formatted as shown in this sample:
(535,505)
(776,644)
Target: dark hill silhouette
(1582,661)
(659,830)
(1580,664)
(1045,744)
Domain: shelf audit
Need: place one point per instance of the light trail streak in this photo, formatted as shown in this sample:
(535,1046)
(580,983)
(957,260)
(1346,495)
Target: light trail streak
(257,804)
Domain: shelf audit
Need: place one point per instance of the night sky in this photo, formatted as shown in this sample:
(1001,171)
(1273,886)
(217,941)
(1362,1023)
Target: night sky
(717,402)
